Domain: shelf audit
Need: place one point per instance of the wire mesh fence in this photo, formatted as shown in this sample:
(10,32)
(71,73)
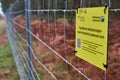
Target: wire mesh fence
(42,38)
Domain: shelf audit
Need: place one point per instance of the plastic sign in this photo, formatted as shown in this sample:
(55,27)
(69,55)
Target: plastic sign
(92,35)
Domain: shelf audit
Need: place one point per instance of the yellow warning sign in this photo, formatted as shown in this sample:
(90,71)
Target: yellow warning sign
(92,35)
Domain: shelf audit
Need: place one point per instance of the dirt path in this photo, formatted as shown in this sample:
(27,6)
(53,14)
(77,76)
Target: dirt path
(3,36)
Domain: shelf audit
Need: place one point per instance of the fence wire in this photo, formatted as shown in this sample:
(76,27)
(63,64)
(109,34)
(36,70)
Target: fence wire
(46,51)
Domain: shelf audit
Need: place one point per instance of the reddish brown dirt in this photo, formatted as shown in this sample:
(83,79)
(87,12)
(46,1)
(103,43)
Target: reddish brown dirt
(54,36)
(114,51)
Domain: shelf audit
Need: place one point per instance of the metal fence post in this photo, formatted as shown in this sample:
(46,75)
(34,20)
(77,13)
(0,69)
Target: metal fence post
(29,39)
(109,3)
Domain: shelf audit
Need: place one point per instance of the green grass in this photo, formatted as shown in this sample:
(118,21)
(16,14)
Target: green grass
(8,70)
